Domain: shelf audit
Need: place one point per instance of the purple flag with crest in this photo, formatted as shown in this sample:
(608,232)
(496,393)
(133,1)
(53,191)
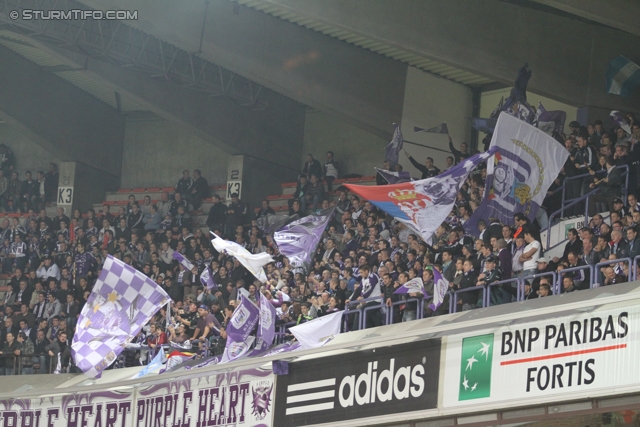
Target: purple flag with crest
(550,121)
(243,320)
(266,326)
(527,161)
(298,240)
(440,289)
(414,285)
(182,260)
(122,301)
(392,149)
(206,278)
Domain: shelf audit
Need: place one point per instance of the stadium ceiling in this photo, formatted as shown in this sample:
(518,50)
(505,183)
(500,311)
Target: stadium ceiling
(115,42)
(24,47)
(426,64)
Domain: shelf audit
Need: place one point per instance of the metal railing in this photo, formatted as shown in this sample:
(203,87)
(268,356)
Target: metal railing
(568,203)
(465,290)
(487,302)
(419,308)
(533,277)
(597,267)
(558,281)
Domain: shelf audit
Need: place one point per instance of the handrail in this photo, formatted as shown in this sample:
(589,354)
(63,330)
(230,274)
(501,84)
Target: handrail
(553,274)
(487,302)
(470,289)
(635,268)
(609,262)
(558,282)
(564,206)
(419,307)
(581,199)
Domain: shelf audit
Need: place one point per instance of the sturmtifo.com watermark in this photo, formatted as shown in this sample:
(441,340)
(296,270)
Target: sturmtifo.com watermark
(73,14)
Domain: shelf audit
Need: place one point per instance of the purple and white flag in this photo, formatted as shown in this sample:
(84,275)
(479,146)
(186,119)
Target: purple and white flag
(271,222)
(266,326)
(441,128)
(413,286)
(252,262)
(392,150)
(206,278)
(182,260)
(298,240)
(550,121)
(393,177)
(244,318)
(620,121)
(283,348)
(318,332)
(123,300)
(424,204)
(440,289)
(236,349)
(527,161)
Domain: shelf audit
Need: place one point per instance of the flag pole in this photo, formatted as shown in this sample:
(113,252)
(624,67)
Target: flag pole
(427,146)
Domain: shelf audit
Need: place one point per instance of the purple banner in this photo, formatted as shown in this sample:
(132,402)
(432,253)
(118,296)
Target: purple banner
(298,241)
(244,319)
(266,326)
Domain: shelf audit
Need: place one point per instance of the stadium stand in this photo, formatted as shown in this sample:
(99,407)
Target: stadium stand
(51,258)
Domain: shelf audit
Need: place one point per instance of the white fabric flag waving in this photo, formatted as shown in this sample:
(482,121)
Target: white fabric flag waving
(318,332)
(252,262)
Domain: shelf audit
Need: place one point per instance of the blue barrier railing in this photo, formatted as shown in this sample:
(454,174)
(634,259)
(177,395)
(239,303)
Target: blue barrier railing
(558,282)
(606,263)
(419,308)
(465,290)
(487,302)
(533,277)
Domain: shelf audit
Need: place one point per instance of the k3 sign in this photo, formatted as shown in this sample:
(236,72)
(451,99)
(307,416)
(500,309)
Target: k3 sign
(361,384)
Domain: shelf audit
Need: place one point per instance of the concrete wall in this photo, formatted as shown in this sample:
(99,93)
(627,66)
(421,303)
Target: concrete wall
(157,151)
(356,151)
(29,155)
(429,101)
(489,101)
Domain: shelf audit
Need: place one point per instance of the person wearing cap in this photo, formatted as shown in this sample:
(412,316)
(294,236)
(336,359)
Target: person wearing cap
(528,291)
(490,275)
(574,126)
(618,206)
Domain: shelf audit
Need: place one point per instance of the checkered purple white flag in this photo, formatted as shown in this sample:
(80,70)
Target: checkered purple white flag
(182,260)
(121,303)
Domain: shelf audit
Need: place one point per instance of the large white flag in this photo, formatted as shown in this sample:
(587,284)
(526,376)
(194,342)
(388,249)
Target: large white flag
(519,174)
(252,262)
(318,332)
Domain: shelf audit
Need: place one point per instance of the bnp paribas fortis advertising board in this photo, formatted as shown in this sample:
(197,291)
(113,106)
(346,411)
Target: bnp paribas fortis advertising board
(587,354)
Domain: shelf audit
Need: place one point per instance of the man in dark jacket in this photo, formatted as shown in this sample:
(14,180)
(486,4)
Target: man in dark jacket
(198,191)
(217,212)
(610,189)
(470,279)
(312,167)
(60,350)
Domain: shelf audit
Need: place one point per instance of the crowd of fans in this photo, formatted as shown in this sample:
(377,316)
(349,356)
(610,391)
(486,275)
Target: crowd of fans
(363,257)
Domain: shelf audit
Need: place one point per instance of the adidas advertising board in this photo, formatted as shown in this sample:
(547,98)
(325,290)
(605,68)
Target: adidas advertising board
(362,384)
(584,355)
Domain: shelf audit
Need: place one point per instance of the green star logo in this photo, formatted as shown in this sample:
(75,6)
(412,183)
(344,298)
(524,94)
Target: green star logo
(475,367)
